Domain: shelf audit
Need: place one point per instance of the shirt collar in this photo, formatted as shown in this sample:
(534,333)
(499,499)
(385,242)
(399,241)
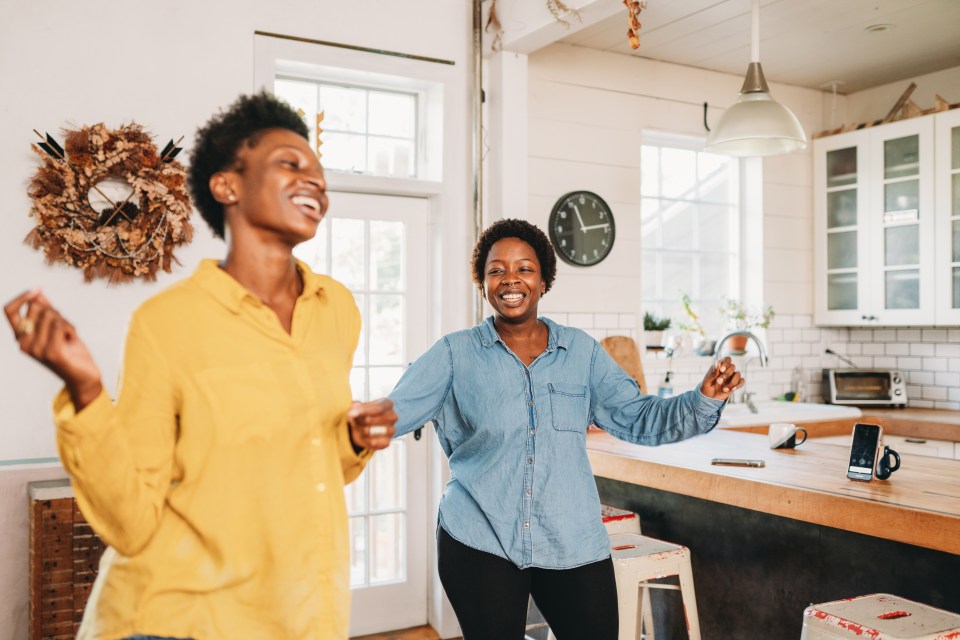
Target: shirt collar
(556,334)
(231,294)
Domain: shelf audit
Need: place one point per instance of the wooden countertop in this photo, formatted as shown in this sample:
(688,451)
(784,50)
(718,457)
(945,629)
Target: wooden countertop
(932,424)
(919,505)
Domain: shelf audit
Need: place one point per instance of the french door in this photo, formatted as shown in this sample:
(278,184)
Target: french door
(377,246)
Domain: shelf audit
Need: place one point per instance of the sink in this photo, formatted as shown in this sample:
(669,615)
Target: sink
(770,411)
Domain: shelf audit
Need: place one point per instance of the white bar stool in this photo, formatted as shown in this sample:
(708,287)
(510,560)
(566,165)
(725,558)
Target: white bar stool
(637,560)
(879,615)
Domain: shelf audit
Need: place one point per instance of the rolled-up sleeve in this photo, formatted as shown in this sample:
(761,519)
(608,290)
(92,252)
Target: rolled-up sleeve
(422,389)
(619,407)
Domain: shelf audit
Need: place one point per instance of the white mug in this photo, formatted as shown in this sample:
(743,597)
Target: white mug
(783,435)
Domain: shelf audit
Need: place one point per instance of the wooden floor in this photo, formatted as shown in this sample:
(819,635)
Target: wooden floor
(413,633)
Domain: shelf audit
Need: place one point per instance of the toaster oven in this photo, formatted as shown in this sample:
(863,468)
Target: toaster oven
(864,387)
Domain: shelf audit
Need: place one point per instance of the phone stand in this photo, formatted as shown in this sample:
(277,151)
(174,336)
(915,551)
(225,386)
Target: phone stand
(884,467)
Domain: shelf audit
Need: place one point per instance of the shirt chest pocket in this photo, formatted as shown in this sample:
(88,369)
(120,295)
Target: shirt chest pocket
(245,404)
(568,405)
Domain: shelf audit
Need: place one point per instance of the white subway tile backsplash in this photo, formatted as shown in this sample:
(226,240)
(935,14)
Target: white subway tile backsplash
(884,335)
(921,404)
(951,406)
(935,393)
(811,335)
(954,394)
(934,335)
(792,335)
(875,349)
(953,335)
(559,318)
(920,377)
(802,321)
(852,349)
(812,362)
(861,335)
(948,350)
(596,334)
(947,379)
(909,363)
(608,321)
(914,391)
(898,349)
(922,349)
(908,335)
(581,320)
(935,364)
(802,349)
(885,362)
(628,321)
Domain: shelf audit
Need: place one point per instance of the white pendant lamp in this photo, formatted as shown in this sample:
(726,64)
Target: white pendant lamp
(757,125)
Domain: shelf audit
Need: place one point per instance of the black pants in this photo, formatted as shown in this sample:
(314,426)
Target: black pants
(489,595)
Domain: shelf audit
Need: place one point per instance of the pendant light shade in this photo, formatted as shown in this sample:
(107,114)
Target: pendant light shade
(757,125)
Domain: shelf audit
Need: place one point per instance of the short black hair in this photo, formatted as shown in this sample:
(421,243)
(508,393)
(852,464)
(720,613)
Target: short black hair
(218,142)
(513,228)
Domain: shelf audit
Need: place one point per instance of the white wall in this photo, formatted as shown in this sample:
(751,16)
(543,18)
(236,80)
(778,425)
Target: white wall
(587,113)
(168,66)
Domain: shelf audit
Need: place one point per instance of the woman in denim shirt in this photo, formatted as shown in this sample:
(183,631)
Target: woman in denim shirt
(511,400)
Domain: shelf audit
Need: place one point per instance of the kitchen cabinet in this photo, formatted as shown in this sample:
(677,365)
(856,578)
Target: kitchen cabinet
(876,225)
(947,254)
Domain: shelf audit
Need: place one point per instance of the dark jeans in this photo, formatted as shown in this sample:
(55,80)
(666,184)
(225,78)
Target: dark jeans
(489,595)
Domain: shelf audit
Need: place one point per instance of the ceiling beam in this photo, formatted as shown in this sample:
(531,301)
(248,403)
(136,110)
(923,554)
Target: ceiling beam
(528,25)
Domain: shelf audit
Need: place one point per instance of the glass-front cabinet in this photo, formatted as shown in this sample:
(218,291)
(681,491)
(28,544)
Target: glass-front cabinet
(875,226)
(948,218)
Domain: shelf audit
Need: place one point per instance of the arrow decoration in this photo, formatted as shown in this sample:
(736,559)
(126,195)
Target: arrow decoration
(170,151)
(51,147)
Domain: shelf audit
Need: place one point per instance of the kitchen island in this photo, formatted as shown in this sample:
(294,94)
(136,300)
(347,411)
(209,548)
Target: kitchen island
(767,542)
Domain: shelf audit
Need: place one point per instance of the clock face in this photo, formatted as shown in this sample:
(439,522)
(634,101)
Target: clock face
(582,228)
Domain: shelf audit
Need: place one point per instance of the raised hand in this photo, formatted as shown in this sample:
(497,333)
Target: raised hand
(721,380)
(371,423)
(44,335)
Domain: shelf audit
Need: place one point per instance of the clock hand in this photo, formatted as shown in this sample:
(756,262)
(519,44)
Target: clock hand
(579,217)
(595,226)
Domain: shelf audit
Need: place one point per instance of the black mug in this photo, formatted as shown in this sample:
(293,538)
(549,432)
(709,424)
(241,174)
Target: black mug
(884,468)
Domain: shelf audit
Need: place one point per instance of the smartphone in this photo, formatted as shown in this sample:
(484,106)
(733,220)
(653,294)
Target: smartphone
(738,462)
(863,451)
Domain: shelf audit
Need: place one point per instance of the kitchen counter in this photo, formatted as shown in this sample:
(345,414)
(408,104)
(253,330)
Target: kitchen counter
(919,505)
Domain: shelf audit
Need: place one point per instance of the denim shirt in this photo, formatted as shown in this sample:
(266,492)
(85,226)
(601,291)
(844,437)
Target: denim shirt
(520,484)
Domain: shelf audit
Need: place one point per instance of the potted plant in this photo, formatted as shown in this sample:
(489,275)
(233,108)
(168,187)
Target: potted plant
(741,318)
(653,328)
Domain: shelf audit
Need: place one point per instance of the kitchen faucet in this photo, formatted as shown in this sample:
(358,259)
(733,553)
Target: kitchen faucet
(746,397)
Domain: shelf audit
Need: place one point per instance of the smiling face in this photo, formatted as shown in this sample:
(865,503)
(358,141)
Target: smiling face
(512,280)
(278,187)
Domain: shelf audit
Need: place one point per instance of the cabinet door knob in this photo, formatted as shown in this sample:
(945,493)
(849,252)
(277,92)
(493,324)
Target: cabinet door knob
(868,318)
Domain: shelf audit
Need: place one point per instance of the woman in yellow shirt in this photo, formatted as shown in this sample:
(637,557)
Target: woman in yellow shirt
(217,477)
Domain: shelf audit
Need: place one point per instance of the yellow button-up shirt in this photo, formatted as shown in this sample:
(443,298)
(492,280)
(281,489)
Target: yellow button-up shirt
(217,478)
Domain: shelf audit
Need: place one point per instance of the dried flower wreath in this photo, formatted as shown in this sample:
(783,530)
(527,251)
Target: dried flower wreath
(128,239)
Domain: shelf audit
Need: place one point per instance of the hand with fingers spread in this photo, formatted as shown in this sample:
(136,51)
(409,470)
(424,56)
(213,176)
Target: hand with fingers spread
(371,423)
(44,335)
(721,380)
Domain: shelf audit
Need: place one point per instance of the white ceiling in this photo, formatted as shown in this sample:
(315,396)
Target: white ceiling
(807,43)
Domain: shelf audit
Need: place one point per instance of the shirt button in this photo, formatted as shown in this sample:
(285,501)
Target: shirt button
(529,493)
(531,404)
(526,525)
(529,460)
(315,442)
(321,487)
(533,432)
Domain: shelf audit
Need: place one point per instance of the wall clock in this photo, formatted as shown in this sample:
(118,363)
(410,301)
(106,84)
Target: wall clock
(582,228)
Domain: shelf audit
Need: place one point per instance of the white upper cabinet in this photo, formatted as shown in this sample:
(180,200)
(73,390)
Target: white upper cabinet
(948,218)
(877,257)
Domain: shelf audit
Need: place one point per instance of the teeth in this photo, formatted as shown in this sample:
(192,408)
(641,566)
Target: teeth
(512,297)
(306,201)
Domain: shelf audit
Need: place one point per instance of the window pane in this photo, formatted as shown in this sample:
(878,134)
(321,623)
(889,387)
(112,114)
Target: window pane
(956,287)
(383,380)
(956,241)
(649,277)
(358,556)
(714,274)
(903,289)
(677,274)
(392,157)
(841,291)
(678,221)
(716,179)
(386,329)
(344,151)
(314,251)
(358,379)
(386,257)
(842,167)
(956,195)
(355,494)
(347,252)
(650,222)
(388,539)
(360,356)
(344,109)
(392,114)
(388,465)
(842,250)
(679,173)
(955,148)
(842,208)
(902,245)
(716,231)
(302,96)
